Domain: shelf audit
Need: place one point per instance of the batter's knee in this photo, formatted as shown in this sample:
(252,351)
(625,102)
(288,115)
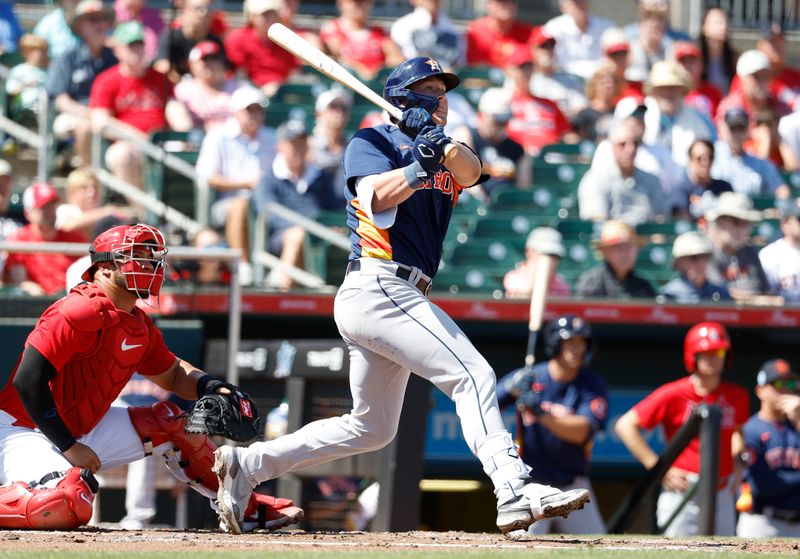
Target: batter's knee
(66,506)
(376,436)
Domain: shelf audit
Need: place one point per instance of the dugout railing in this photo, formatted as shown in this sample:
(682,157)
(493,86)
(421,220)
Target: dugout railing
(705,421)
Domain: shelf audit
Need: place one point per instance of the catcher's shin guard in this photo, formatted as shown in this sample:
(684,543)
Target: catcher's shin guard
(192,454)
(66,506)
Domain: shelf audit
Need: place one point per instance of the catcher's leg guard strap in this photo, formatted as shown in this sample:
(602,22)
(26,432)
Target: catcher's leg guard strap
(192,455)
(66,506)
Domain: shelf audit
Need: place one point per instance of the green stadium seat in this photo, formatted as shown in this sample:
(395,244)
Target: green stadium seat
(763,202)
(538,201)
(553,154)
(278,113)
(475,80)
(655,257)
(579,257)
(469,280)
(564,176)
(327,261)
(172,188)
(482,252)
(578,229)
(665,231)
(297,93)
(508,224)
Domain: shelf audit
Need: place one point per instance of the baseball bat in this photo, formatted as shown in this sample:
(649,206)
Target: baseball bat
(541,284)
(311,55)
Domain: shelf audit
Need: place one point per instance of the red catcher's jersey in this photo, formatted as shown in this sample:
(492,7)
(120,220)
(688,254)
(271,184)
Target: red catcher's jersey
(671,404)
(95,349)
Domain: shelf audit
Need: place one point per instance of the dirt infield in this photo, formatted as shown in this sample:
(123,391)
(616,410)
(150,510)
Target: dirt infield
(138,541)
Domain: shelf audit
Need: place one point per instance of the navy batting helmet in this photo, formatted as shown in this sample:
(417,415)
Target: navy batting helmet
(563,328)
(397,91)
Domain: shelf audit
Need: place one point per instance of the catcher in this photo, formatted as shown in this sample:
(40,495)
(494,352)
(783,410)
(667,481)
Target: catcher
(57,425)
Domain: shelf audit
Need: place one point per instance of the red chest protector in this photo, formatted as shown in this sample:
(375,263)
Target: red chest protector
(87,385)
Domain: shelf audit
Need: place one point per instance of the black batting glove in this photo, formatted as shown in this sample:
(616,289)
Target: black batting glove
(415,121)
(429,148)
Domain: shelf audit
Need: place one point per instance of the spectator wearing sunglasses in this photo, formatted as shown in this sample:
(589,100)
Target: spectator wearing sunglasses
(769,502)
(691,253)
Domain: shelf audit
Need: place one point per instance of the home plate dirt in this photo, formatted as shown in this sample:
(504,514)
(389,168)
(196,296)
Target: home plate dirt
(98,540)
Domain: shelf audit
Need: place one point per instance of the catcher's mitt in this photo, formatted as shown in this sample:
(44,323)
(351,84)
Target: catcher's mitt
(233,416)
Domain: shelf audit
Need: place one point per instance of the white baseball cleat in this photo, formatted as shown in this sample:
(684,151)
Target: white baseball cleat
(234,490)
(537,502)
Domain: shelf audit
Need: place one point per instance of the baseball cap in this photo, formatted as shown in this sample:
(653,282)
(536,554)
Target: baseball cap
(690,243)
(255,7)
(737,117)
(539,37)
(733,204)
(129,32)
(245,96)
(750,62)
(614,40)
(91,7)
(666,73)
(546,240)
(520,56)
(291,130)
(775,369)
(203,49)
(685,48)
(326,98)
(627,107)
(495,101)
(38,195)
(5,168)
(615,232)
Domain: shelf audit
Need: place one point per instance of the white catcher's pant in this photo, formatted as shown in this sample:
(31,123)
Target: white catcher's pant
(391,329)
(762,526)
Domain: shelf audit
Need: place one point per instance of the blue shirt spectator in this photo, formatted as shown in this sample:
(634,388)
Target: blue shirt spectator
(10,29)
(55,27)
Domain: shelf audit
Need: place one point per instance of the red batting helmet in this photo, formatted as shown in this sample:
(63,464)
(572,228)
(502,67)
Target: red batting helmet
(131,248)
(705,336)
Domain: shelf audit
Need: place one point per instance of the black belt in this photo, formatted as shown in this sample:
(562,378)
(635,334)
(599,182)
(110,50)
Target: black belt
(403,273)
(782,514)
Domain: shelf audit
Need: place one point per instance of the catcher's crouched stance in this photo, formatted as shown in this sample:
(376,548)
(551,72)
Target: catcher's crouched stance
(57,425)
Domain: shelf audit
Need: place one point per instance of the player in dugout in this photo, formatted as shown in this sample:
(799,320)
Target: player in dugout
(57,425)
(401,190)
(561,405)
(706,356)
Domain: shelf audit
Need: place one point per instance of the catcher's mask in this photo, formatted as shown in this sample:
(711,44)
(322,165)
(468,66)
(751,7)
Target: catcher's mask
(137,251)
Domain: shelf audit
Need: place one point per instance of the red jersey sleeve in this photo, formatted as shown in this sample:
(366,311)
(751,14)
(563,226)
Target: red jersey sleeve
(56,340)
(103,91)
(741,405)
(158,357)
(653,409)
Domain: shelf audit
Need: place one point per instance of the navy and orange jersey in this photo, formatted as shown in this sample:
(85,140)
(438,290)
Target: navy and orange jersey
(416,237)
(773,471)
(559,462)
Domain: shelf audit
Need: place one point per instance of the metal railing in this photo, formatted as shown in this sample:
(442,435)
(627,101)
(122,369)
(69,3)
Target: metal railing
(262,258)
(233,256)
(705,419)
(753,14)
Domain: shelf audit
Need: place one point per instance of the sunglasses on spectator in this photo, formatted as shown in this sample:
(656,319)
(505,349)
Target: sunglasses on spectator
(790,385)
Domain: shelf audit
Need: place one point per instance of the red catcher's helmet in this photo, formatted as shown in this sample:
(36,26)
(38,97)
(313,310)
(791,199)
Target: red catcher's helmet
(131,248)
(705,336)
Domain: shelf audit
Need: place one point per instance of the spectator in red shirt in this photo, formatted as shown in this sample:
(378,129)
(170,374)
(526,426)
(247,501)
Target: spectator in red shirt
(40,273)
(249,49)
(355,43)
(706,356)
(703,96)
(174,44)
(133,94)
(535,121)
(752,93)
(493,38)
(785,83)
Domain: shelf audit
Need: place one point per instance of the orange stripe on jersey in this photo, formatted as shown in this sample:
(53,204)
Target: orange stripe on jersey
(374,242)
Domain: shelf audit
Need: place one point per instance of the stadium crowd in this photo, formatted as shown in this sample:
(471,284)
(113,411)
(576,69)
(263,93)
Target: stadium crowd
(626,141)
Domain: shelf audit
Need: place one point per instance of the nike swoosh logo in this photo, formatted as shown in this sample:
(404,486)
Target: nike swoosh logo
(86,498)
(126,347)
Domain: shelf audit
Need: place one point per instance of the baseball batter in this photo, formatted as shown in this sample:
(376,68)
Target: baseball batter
(769,503)
(561,404)
(57,425)
(400,196)
(706,355)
